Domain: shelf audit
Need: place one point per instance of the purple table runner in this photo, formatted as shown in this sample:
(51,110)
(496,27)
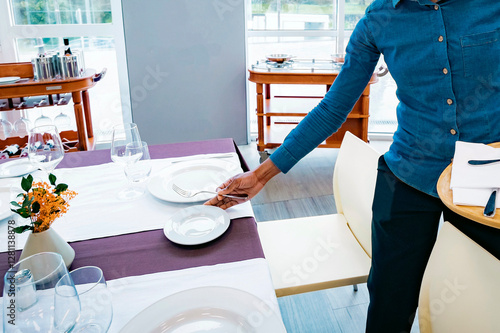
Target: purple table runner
(150,251)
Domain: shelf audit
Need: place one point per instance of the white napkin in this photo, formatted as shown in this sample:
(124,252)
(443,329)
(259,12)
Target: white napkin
(96,212)
(472,185)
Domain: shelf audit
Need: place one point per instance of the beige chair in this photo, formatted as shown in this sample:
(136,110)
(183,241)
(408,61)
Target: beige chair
(319,252)
(460,290)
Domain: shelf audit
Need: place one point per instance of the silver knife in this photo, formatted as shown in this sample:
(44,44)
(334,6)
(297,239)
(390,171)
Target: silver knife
(482,162)
(491,206)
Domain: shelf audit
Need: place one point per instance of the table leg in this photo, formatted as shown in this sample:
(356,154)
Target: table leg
(80,121)
(268,90)
(86,111)
(260,118)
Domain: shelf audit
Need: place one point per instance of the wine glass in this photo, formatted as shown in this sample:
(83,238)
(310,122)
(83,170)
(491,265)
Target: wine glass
(23,124)
(45,149)
(123,136)
(137,173)
(29,294)
(5,128)
(62,120)
(95,299)
(42,120)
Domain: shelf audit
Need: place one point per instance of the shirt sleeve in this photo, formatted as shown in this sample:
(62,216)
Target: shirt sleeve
(326,118)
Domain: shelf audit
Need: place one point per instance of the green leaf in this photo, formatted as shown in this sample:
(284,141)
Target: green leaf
(15,204)
(52,179)
(35,207)
(60,188)
(21,229)
(27,182)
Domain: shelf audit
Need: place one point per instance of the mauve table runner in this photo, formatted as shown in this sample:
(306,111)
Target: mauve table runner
(150,251)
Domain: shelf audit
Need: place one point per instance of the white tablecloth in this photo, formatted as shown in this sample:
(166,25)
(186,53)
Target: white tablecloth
(96,211)
(133,294)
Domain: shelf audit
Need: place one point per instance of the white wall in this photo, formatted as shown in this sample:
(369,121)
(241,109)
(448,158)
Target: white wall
(187,69)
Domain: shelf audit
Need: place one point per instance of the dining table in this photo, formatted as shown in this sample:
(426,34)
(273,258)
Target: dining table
(126,239)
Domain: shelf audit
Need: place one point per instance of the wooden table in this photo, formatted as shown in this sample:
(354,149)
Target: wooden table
(473,213)
(78,87)
(322,73)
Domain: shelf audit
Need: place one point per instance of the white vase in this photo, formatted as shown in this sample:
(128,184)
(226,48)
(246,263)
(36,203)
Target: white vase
(48,241)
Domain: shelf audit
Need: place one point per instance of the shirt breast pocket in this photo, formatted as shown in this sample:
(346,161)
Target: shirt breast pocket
(481,54)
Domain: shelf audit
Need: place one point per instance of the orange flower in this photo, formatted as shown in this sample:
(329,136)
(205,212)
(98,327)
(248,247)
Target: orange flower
(51,205)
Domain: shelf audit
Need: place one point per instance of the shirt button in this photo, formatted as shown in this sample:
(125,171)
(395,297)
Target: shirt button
(453,132)
(436,7)
(449,101)
(445,71)
(441,38)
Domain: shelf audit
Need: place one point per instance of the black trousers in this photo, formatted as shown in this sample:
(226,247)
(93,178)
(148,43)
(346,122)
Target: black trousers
(404,229)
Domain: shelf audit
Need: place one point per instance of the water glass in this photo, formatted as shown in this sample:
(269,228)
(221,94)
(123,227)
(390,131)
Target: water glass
(138,173)
(29,300)
(95,298)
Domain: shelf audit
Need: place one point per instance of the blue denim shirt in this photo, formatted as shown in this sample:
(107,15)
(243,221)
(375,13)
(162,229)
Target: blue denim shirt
(445,59)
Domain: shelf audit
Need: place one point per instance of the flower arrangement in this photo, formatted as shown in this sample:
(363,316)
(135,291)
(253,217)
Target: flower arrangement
(42,203)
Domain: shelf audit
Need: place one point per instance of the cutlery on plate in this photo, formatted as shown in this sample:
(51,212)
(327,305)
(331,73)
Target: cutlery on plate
(189,194)
(491,205)
(189,158)
(483,162)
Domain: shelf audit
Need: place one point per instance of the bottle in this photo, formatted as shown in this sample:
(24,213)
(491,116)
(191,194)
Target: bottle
(11,150)
(67,50)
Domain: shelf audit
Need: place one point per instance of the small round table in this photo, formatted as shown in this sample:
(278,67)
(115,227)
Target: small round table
(471,212)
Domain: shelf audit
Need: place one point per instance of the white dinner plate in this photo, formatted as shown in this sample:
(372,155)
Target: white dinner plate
(16,168)
(196,225)
(9,79)
(5,204)
(204,174)
(207,309)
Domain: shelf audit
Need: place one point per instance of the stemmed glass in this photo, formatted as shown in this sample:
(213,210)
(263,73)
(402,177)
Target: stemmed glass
(137,173)
(62,120)
(29,295)
(42,120)
(126,135)
(5,128)
(45,149)
(23,124)
(96,307)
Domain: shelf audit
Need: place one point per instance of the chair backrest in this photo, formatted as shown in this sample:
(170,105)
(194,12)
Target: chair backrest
(460,288)
(354,184)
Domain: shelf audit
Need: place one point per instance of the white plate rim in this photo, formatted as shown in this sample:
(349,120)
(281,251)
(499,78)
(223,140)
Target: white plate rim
(215,233)
(19,160)
(155,184)
(149,319)
(9,79)
(7,213)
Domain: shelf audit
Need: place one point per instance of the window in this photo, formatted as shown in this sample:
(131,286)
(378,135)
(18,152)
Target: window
(28,27)
(313,29)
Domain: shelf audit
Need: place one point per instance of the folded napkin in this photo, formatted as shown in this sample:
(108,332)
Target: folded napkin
(472,185)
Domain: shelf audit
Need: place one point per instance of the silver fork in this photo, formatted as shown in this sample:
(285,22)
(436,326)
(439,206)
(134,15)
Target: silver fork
(189,193)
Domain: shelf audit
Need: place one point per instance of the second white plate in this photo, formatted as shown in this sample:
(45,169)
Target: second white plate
(204,174)
(17,167)
(196,225)
(9,79)
(207,309)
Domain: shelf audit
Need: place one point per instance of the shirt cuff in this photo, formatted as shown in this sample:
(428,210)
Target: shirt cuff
(283,159)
